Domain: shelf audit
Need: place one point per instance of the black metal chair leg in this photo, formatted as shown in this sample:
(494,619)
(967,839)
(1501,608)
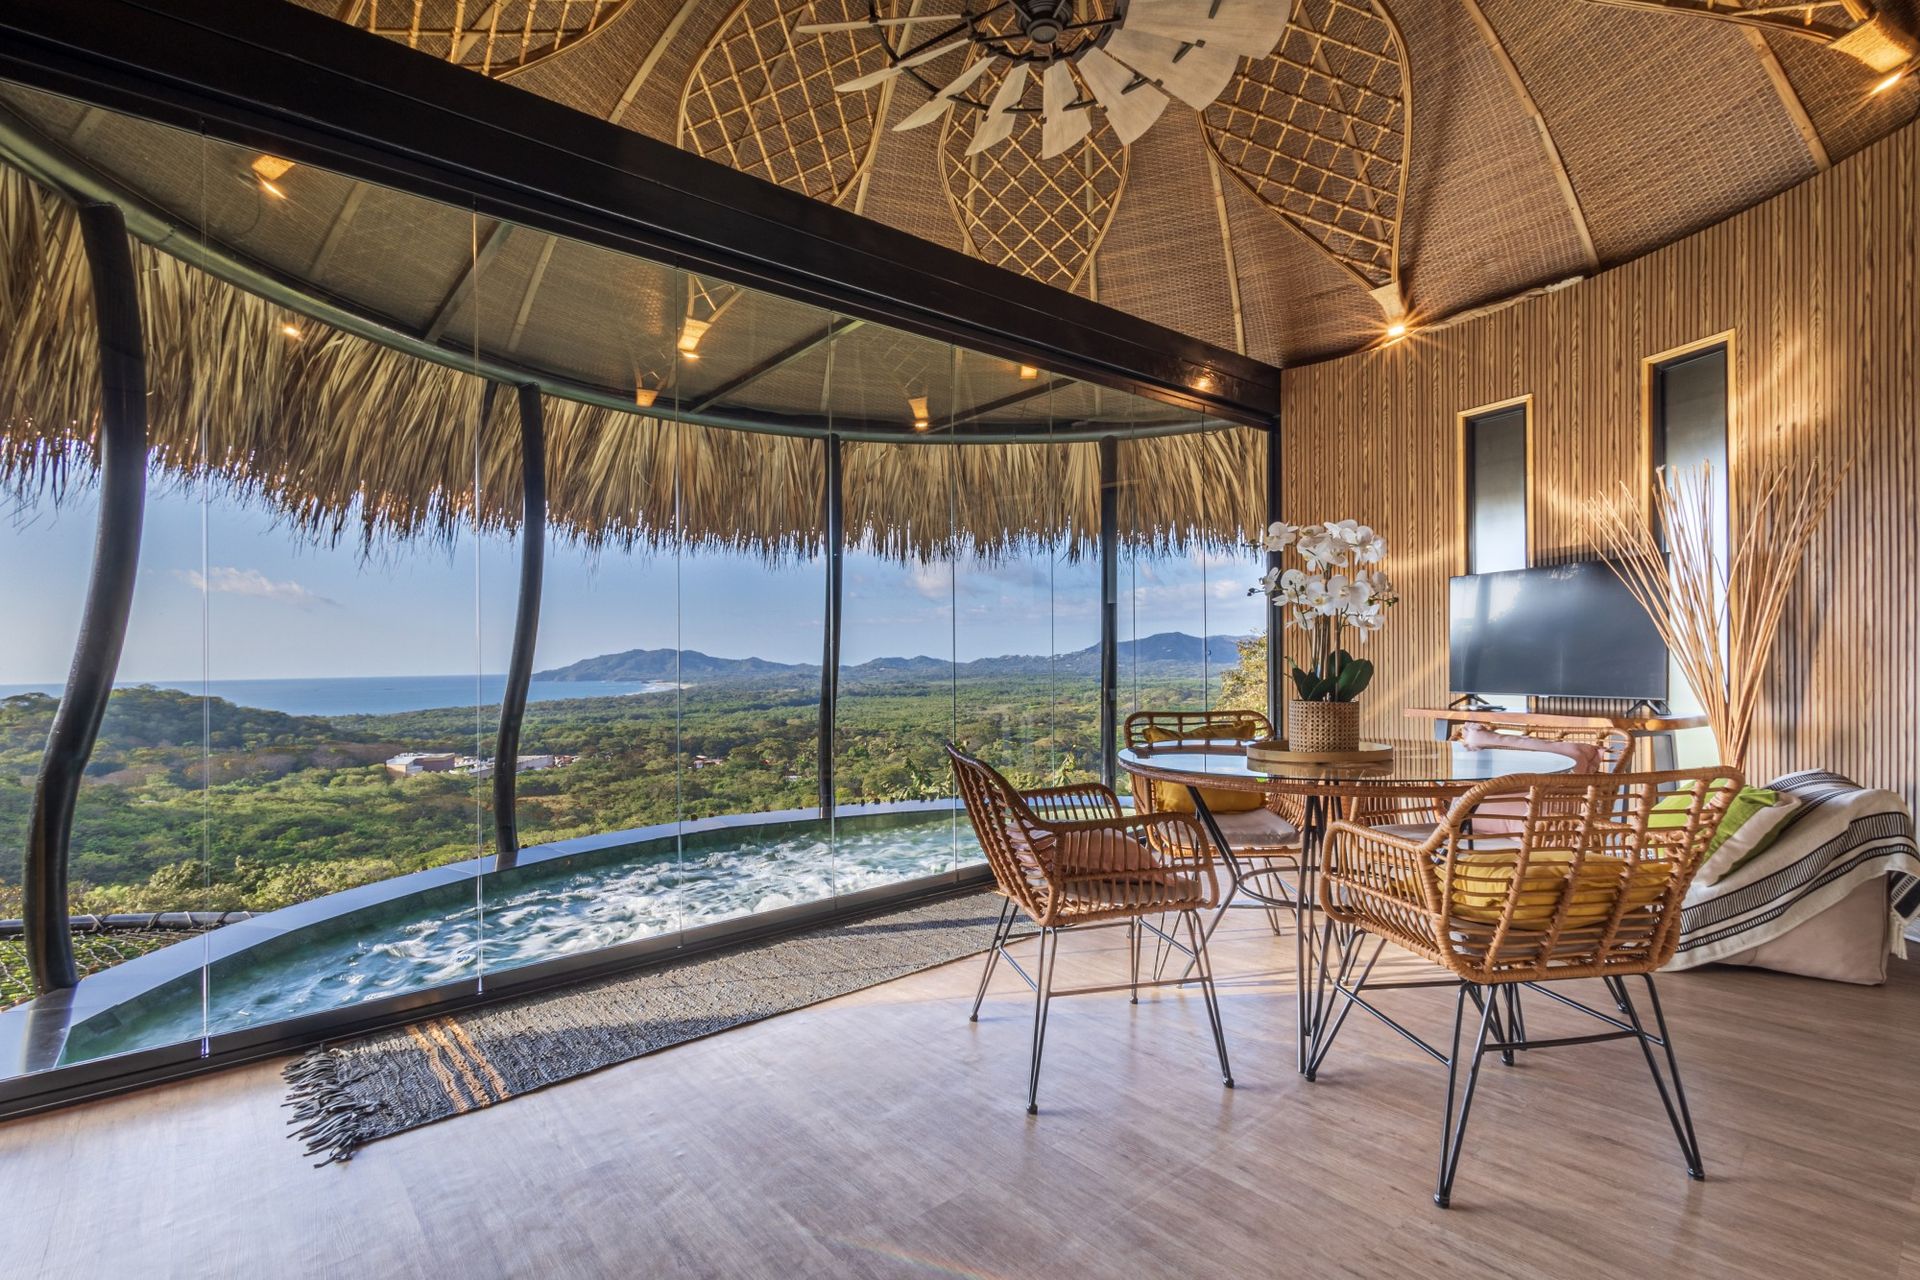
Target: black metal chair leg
(1000,931)
(1501,1026)
(1516,1020)
(1042,997)
(1675,1101)
(1453,1134)
(1133,960)
(1209,995)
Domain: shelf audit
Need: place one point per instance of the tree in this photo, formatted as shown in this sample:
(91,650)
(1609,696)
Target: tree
(1244,688)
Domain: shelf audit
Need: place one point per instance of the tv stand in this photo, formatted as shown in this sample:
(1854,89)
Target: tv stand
(1657,724)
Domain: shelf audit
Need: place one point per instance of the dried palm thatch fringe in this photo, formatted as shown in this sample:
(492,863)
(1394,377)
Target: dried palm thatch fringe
(1719,619)
(341,435)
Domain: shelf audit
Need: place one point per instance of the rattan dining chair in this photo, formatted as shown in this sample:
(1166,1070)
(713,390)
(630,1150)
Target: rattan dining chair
(1069,859)
(1588,886)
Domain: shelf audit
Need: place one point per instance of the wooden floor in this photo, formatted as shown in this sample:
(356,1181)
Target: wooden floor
(882,1135)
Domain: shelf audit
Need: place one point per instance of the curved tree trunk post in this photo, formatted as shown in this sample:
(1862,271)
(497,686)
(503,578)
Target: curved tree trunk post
(122,454)
(526,624)
(1109,609)
(836,538)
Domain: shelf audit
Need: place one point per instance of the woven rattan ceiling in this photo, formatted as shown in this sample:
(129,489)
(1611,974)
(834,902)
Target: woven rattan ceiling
(493,37)
(1301,213)
(1042,217)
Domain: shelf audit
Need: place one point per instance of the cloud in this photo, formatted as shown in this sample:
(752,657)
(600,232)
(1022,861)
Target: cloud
(228,580)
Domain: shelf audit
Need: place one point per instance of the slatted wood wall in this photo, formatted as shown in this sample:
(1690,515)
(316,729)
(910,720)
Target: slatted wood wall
(1819,288)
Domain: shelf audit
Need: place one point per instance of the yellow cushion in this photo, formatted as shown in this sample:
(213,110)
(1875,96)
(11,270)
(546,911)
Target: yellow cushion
(1173,797)
(1483,882)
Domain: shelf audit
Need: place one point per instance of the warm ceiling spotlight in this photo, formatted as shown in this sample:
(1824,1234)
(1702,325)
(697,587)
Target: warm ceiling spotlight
(691,331)
(1028,373)
(269,170)
(1891,81)
(920,419)
(291,331)
(645,396)
(1398,329)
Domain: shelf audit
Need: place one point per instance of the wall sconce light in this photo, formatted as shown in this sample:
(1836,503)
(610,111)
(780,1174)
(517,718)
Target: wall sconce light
(268,170)
(1028,373)
(691,331)
(920,419)
(644,396)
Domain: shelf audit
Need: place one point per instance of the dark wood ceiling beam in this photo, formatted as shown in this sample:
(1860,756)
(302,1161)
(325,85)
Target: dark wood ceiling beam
(778,360)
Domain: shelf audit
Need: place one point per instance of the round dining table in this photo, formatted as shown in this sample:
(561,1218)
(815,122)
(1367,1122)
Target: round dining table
(1420,769)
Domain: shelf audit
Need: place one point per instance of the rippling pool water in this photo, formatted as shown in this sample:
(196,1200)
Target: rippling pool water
(540,912)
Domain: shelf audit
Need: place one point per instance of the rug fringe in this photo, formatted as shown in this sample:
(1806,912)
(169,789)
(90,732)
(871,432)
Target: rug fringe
(319,1096)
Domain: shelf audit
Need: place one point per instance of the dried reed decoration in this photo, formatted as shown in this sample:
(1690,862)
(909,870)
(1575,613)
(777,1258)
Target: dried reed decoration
(1318,132)
(1042,218)
(761,99)
(1718,616)
(345,438)
(496,39)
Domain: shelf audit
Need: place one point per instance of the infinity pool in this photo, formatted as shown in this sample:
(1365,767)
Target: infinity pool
(564,905)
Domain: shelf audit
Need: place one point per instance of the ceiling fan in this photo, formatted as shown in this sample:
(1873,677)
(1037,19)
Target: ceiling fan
(1128,58)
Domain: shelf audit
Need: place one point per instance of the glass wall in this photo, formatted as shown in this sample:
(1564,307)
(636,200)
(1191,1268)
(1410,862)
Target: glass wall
(299,777)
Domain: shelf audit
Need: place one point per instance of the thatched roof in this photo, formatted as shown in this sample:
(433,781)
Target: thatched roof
(349,438)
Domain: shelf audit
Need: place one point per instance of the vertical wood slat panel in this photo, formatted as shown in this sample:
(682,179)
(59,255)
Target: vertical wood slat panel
(1820,287)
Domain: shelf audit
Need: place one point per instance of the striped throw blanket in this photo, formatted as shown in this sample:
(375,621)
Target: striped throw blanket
(1839,836)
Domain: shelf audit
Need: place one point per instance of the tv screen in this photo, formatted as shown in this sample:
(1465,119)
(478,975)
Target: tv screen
(1572,630)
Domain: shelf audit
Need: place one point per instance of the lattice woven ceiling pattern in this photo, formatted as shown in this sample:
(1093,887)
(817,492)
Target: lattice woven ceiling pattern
(493,37)
(1319,132)
(1043,218)
(761,99)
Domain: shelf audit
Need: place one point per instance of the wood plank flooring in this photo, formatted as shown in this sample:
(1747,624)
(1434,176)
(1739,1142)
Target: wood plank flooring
(882,1135)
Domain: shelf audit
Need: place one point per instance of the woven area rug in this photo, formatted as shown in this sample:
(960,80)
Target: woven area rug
(344,1096)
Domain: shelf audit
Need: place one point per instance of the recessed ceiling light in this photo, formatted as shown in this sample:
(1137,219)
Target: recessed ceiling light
(1890,81)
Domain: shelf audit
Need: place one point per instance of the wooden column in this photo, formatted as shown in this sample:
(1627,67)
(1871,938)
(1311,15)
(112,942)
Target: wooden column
(1109,609)
(526,623)
(834,498)
(122,457)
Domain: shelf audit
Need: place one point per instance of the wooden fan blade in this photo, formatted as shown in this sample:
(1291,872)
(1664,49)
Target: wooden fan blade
(1197,78)
(885,74)
(998,125)
(1060,127)
(1130,113)
(1247,27)
(937,105)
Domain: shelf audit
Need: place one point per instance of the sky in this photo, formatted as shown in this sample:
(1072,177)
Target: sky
(229,592)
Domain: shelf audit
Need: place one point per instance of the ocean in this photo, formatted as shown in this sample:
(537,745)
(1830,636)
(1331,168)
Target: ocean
(376,695)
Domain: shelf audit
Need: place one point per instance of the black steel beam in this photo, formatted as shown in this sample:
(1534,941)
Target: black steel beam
(281,79)
(1109,610)
(836,537)
(526,622)
(122,457)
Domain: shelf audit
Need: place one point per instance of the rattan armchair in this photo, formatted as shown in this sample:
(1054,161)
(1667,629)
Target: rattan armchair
(1067,858)
(1589,886)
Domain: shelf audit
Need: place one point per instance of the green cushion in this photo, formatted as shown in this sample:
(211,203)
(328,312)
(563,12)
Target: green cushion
(1671,812)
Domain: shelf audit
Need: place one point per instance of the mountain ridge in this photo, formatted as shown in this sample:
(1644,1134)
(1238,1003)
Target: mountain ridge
(1152,654)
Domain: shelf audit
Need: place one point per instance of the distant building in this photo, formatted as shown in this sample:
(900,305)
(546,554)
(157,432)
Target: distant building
(408,763)
(482,766)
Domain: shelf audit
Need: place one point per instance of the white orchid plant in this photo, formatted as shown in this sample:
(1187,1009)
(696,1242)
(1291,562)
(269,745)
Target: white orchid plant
(1341,589)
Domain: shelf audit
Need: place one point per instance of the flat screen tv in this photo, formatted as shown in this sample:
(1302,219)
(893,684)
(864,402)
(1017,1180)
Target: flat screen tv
(1572,630)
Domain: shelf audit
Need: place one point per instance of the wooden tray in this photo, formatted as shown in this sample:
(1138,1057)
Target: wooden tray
(1275,752)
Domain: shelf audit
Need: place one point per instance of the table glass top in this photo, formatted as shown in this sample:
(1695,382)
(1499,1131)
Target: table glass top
(1415,761)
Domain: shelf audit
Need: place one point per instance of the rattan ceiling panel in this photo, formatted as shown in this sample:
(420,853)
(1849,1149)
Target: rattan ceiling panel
(903,184)
(1195,299)
(1652,143)
(1296,302)
(1318,131)
(1831,87)
(1042,218)
(762,99)
(493,37)
(1485,215)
